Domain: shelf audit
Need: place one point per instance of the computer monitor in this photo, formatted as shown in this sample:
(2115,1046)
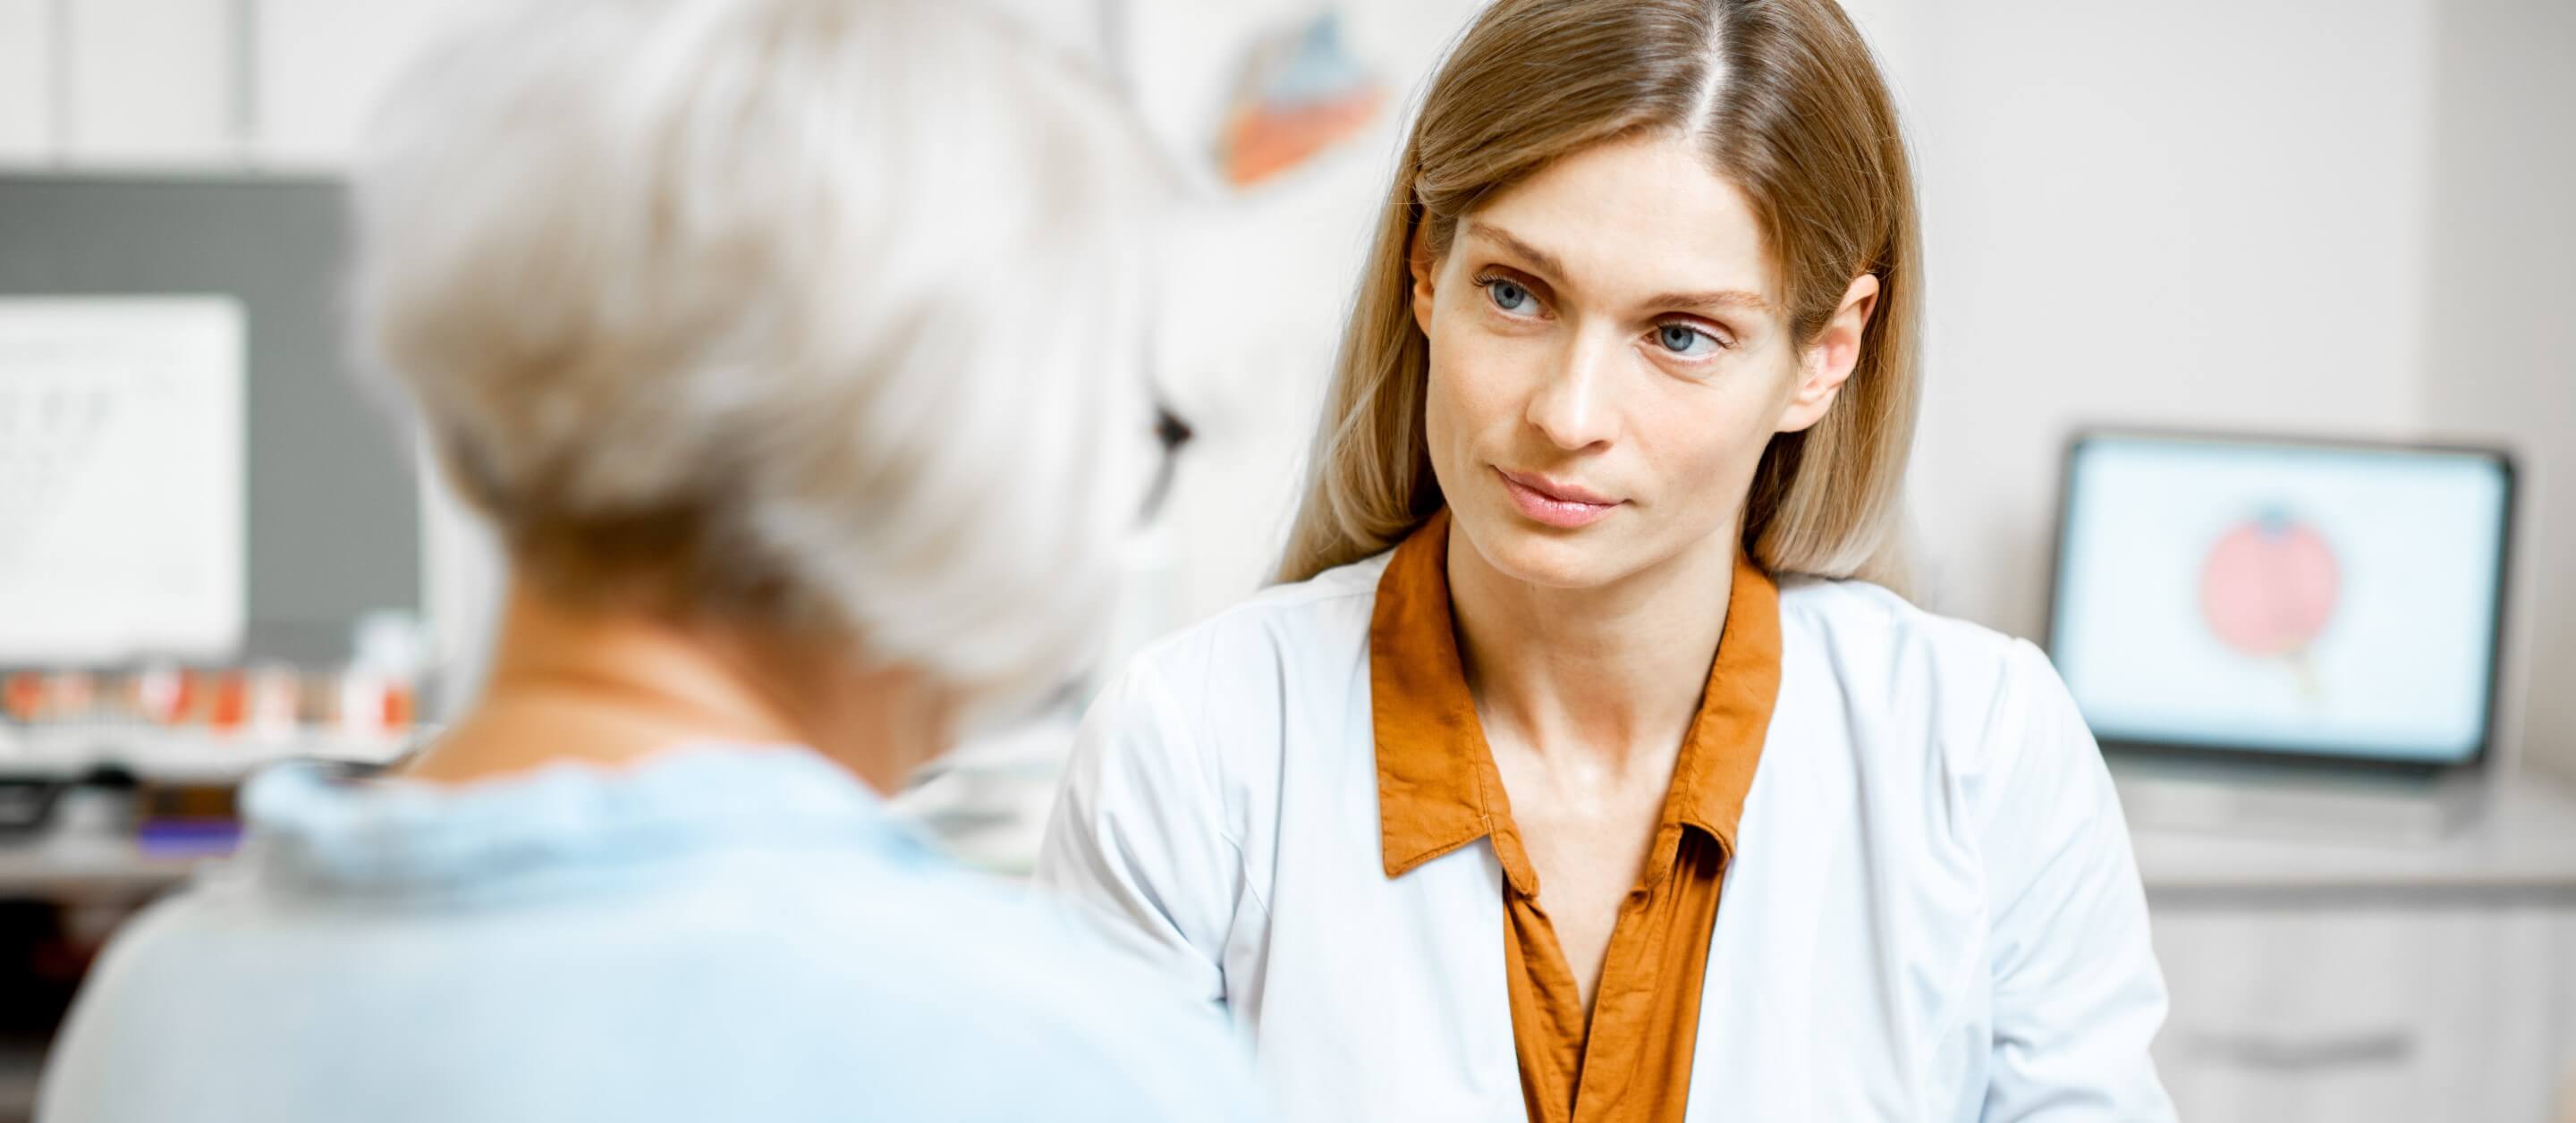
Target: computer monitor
(2286,600)
(329,519)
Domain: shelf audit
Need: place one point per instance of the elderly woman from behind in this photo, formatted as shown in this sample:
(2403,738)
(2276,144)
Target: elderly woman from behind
(783,343)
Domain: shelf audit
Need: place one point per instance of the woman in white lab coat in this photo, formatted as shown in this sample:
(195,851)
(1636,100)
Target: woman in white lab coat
(1578,771)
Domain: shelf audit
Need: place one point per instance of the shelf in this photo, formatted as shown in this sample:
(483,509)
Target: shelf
(177,756)
(88,867)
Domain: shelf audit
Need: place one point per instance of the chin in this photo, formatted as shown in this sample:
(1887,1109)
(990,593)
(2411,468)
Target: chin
(1545,556)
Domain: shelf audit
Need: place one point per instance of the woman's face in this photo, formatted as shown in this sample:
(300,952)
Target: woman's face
(1608,361)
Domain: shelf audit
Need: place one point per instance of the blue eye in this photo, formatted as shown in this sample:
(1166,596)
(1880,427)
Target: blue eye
(1686,341)
(1510,297)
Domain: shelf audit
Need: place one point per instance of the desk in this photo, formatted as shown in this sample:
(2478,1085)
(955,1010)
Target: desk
(88,869)
(2522,842)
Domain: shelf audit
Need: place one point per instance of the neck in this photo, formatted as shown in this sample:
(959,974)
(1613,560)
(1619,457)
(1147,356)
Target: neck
(614,688)
(1614,671)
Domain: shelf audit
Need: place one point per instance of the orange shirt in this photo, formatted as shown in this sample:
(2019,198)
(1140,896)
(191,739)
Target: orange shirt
(1628,1059)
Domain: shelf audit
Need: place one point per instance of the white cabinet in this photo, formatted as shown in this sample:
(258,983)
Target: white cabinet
(2372,979)
(2369,1010)
(149,83)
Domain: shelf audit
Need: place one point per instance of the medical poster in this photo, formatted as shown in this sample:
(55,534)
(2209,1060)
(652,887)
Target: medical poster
(121,478)
(2315,599)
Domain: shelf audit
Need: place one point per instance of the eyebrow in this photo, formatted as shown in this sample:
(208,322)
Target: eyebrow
(1722,298)
(1548,263)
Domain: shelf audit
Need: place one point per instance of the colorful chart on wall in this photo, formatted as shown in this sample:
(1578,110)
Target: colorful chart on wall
(2296,598)
(1301,92)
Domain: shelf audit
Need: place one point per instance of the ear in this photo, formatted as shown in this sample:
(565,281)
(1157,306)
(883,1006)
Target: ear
(1425,267)
(1827,363)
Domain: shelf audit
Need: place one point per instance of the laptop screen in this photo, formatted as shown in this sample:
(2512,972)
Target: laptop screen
(2281,598)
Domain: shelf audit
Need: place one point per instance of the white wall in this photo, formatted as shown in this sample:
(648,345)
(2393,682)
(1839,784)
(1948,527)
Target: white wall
(319,67)
(26,82)
(186,85)
(2339,217)
(2199,213)
(2502,308)
(148,82)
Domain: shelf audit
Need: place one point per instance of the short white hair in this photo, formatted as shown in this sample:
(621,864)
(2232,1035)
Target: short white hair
(820,313)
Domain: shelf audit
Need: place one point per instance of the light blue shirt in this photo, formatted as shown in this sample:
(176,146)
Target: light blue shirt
(717,934)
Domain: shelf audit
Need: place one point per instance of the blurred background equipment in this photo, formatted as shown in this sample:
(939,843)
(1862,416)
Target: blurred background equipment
(2275,599)
(218,465)
(212,544)
(121,478)
(2343,220)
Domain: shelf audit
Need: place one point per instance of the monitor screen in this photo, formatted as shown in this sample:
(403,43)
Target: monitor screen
(2282,598)
(319,523)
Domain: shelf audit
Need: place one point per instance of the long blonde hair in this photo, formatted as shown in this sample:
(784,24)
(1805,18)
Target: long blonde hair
(1787,101)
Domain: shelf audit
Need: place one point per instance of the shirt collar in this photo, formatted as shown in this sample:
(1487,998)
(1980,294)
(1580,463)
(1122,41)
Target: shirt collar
(1437,786)
(307,827)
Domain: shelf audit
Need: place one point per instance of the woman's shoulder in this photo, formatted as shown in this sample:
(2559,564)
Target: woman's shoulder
(1208,712)
(1855,610)
(1278,639)
(1975,692)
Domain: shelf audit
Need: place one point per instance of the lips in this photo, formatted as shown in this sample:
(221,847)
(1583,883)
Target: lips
(1556,503)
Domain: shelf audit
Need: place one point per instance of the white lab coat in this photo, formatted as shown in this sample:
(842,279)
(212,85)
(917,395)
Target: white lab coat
(1935,915)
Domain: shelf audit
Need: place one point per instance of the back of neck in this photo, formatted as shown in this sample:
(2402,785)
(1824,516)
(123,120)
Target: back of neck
(611,689)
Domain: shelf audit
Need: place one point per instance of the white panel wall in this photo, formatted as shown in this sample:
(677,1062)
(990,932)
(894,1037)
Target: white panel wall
(26,82)
(151,83)
(2502,354)
(2200,213)
(1894,29)
(322,65)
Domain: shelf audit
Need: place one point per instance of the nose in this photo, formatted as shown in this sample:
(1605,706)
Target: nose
(1571,407)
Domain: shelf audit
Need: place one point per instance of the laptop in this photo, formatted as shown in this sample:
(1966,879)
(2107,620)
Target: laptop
(2313,619)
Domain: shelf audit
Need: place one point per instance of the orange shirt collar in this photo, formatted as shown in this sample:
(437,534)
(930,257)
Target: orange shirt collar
(1437,786)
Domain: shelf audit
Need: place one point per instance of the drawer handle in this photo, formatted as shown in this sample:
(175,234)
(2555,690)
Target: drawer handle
(2357,1050)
